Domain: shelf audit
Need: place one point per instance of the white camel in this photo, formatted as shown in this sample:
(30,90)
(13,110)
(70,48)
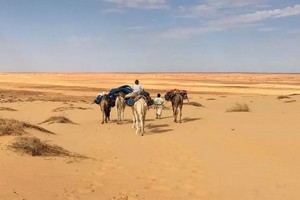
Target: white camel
(139,110)
(120,106)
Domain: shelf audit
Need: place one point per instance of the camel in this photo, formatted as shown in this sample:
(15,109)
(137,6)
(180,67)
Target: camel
(139,110)
(105,108)
(120,107)
(177,102)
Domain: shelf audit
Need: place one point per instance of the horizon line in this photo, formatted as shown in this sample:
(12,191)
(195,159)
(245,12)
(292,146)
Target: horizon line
(150,72)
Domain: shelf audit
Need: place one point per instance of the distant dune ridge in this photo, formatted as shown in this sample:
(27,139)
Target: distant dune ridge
(239,138)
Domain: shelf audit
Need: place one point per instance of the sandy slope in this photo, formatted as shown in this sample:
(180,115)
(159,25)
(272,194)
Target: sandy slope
(212,155)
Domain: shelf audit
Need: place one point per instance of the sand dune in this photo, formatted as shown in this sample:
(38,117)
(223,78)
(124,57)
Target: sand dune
(212,155)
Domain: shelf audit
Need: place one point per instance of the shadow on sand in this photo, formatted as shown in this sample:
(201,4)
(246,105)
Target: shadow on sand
(160,128)
(189,119)
(167,117)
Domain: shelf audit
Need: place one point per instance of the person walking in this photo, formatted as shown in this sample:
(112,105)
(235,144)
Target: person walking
(158,102)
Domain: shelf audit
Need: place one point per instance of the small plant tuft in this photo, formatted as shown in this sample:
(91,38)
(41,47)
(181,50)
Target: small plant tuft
(239,108)
(15,127)
(283,97)
(60,109)
(58,119)
(7,109)
(35,147)
(194,104)
(290,101)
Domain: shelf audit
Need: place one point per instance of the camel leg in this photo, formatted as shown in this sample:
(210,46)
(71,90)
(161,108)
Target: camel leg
(107,119)
(142,131)
(143,125)
(119,116)
(122,115)
(137,125)
(103,117)
(180,114)
(175,114)
(133,118)
(117,112)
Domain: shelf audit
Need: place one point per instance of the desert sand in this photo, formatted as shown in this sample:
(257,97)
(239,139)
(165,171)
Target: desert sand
(212,155)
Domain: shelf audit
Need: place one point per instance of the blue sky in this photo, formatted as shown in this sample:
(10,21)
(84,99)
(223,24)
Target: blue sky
(150,35)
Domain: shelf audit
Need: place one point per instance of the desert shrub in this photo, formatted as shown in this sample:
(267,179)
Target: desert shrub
(283,97)
(7,109)
(166,107)
(290,101)
(295,94)
(15,127)
(239,108)
(58,119)
(35,147)
(69,108)
(194,104)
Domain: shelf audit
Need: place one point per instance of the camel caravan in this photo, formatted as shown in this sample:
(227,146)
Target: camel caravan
(139,101)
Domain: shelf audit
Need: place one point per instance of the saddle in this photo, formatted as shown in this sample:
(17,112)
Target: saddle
(135,97)
(170,94)
(112,95)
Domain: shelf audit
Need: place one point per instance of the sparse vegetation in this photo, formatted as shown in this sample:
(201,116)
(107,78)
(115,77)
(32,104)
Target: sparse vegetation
(35,147)
(290,101)
(194,104)
(295,94)
(69,108)
(58,119)
(283,97)
(166,108)
(15,127)
(239,108)
(7,109)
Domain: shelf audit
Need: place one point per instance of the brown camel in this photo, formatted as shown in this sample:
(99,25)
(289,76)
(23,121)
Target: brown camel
(177,103)
(105,108)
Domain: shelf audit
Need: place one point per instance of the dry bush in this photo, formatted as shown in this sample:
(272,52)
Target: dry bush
(166,107)
(194,104)
(295,94)
(210,99)
(69,108)
(15,127)
(290,101)
(283,97)
(35,147)
(7,109)
(239,108)
(58,119)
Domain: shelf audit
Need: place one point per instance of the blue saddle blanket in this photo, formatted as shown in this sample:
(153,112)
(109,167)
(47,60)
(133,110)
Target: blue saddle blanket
(129,101)
(126,89)
(112,95)
(98,99)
